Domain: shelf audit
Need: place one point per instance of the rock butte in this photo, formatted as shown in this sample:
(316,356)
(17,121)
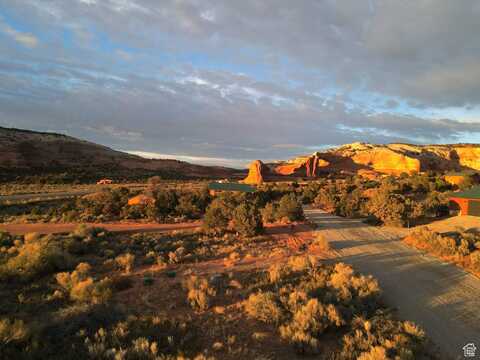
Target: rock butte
(371,160)
(256,173)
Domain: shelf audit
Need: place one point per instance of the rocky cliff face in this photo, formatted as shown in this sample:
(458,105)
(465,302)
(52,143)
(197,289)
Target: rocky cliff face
(308,166)
(398,158)
(382,159)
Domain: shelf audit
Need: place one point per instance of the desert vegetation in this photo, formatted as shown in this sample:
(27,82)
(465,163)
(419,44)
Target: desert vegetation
(96,295)
(398,201)
(461,247)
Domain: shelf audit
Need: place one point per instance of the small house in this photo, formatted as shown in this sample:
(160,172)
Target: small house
(105,182)
(466,202)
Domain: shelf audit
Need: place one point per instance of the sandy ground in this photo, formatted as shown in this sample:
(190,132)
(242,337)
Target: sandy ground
(442,298)
(453,223)
(46,228)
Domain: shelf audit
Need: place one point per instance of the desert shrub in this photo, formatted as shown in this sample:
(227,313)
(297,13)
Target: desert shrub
(126,262)
(263,306)
(217,216)
(106,204)
(80,287)
(268,213)
(199,292)
(310,192)
(165,202)
(475,260)
(382,335)
(290,208)
(328,198)
(321,242)
(301,263)
(12,331)
(145,337)
(35,258)
(187,207)
(31,237)
(247,220)
(192,204)
(277,272)
(308,323)
(388,207)
(14,335)
(349,285)
(84,239)
(5,239)
(312,300)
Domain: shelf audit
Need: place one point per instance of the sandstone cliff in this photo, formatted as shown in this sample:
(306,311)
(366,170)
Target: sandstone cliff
(371,159)
(308,166)
(256,173)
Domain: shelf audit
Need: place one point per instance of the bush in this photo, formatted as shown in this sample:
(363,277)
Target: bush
(165,202)
(126,262)
(368,338)
(80,287)
(475,259)
(321,243)
(301,263)
(5,239)
(40,256)
(247,220)
(217,216)
(263,306)
(276,272)
(268,213)
(290,208)
(388,207)
(146,338)
(308,323)
(199,292)
(12,331)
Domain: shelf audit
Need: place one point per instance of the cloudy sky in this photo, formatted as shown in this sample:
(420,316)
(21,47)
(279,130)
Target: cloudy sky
(226,81)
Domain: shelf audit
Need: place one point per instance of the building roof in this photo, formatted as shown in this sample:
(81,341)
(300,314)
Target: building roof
(472,193)
(231,187)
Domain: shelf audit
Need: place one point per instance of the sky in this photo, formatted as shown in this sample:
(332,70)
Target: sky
(226,82)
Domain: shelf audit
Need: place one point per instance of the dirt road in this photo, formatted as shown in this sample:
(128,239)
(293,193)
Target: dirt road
(442,298)
(20,229)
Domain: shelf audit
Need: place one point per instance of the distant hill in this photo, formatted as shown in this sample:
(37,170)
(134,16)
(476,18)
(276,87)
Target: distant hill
(25,152)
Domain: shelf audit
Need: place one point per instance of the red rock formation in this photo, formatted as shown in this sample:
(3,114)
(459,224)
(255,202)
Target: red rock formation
(256,173)
(302,166)
(313,163)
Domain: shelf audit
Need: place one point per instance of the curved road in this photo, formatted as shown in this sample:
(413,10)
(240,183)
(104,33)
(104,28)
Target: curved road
(440,297)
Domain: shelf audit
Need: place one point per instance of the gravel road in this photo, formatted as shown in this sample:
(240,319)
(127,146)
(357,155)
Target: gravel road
(442,298)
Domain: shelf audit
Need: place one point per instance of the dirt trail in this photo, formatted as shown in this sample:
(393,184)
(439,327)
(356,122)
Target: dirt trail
(442,298)
(46,228)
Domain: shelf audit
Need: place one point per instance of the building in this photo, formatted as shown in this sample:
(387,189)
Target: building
(217,187)
(466,202)
(104,182)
